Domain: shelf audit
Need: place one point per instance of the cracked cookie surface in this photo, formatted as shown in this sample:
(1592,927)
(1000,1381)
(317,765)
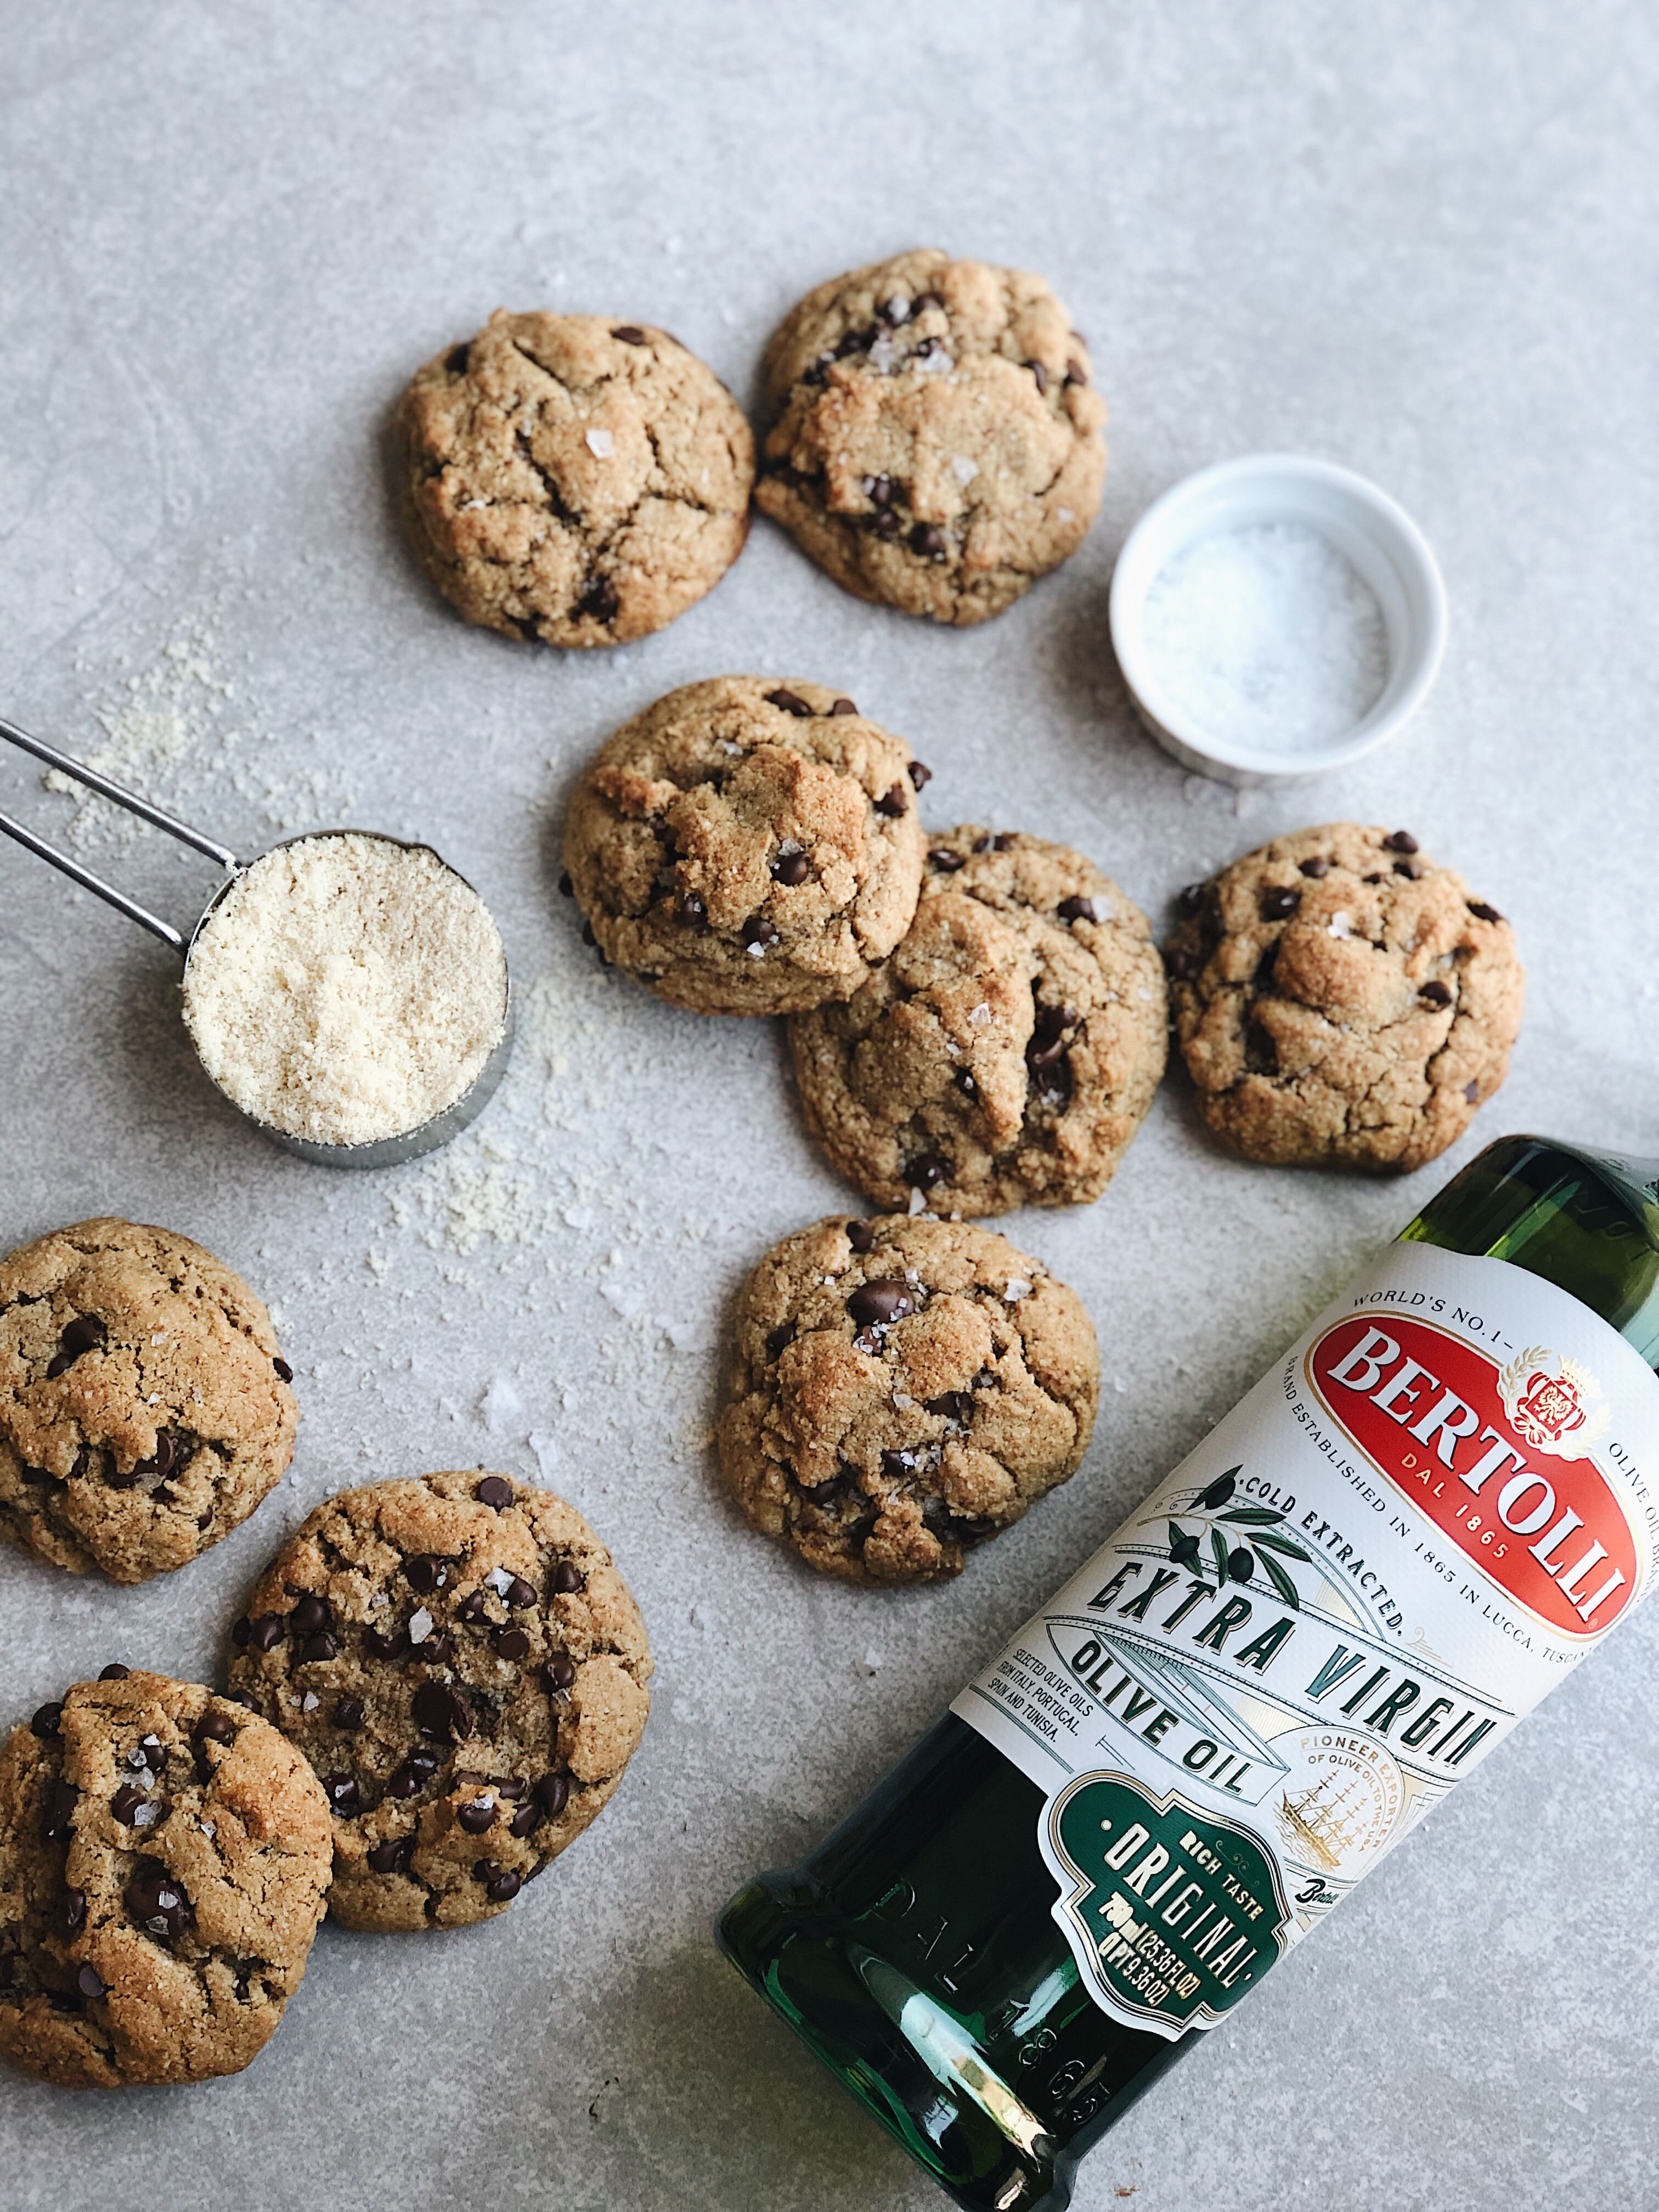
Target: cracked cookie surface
(1007,1052)
(1338,998)
(934,441)
(466,1670)
(575,478)
(747,846)
(900,1391)
(164,1858)
(144,1405)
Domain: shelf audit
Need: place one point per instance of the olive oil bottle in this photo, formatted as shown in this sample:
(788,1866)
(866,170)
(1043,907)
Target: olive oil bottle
(1342,1600)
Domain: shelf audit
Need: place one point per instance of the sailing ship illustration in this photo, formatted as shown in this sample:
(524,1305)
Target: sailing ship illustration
(1319,1829)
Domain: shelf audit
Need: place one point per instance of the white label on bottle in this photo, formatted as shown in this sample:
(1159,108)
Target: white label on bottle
(1406,1534)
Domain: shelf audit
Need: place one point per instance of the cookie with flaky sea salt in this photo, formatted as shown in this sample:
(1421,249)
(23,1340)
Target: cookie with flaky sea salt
(164,1858)
(900,1391)
(575,478)
(747,846)
(1338,998)
(1007,1052)
(144,1406)
(933,438)
(466,1671)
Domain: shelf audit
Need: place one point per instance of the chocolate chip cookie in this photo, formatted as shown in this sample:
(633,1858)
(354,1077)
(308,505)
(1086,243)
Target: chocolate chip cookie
(144,1406)
(466,1670)
(1007,1052)
(1338,998)
(933,441)
(747,846)
(900,1391)
(575,478)
(164,1858)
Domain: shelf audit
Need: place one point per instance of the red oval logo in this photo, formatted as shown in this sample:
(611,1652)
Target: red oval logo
(1426,1408)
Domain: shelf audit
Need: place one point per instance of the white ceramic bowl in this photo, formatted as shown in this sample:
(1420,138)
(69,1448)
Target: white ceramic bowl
(1376,534)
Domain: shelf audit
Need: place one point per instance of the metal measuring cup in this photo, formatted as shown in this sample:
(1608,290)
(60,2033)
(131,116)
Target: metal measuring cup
(381,1152)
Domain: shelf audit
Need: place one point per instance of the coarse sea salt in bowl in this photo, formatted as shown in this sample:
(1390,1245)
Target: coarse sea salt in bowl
(1275,618)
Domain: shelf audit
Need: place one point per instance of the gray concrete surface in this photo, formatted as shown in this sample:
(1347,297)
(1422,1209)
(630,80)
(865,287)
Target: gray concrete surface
(1418,240)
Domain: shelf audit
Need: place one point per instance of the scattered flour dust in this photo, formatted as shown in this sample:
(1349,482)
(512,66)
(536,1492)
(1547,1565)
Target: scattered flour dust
(346,988)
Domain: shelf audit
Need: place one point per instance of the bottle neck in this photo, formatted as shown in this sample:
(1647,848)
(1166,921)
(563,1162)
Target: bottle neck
(1586,1222)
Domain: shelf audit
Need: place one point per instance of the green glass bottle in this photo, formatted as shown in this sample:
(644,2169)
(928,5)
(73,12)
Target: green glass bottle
(1027,1922)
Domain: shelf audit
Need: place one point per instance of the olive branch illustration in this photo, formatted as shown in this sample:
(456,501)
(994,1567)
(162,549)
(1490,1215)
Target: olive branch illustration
(1244,1541)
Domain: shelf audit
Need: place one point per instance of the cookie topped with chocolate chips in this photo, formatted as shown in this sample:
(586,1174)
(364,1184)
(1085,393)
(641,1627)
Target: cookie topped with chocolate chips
(748,846)
(934,438)
(577,479)
(1338,998)
(466,1670)
(1007,1052)
(900,1391)
(164,1857)
(144,1404)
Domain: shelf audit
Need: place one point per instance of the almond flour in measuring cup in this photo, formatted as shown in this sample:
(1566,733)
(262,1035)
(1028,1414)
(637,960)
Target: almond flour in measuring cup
(346,988)
(1266,636)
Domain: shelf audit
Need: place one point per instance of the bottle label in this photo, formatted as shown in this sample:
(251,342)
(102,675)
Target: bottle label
(1404,1536)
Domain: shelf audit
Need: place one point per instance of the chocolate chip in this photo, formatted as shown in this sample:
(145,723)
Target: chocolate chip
(692,911)
(266,1631)
(128,1802)
(1076,372)
(923,301)
(158,1902)
(927,541)
(790,701)
(391,1856)
(1076,909)
(86,1332)
(351,1713)
(520,1592)
(456,359)
(511,1644)
(631,334)
(501,1884)
(409,1779)
(1000,843)
(1039,376)
(1472,1092)
(925,1173)
(553,1793)
(216,1728)
(59,1364)
(1277,901)
(885,523)
(60,1809)
(441,1711)
(342,1793)
(560,1671)
(839,707)
(758,931)
(91,1983)
(319,1649)
(945,861)
(1317,867)
(895,311)
(826,1492)
(1190,897)
(114,1673)
(851,341)
(168,1454)
(392,1643)
(477,1814)
(879,490)
(310,1615)
(964,1082)
(1401,841)
(599,601)
(524,1819)
(1437,993)
(1047,1045)
(75,1908)
(147,1753)
(780,1339)
(893,802)
(426,1573)
(1482,912)
(437,1651)
(240,1630)
(474,1607)
(48,1719)
(873,1304)
(950,1406)
(568,1578)
(790,869)
(1413,870)
(495,1490)
(861,1237)
(567,888)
